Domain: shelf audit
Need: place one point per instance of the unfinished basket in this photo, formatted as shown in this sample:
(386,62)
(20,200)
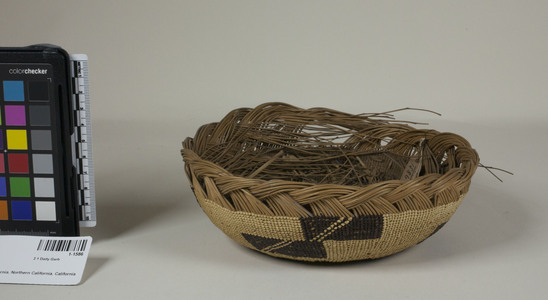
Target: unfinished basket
(322,185)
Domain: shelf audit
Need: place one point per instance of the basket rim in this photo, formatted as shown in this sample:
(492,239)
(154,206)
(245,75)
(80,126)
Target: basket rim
(399,194)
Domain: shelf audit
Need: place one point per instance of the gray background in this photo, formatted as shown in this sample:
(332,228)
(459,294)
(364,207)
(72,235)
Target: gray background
(159,69)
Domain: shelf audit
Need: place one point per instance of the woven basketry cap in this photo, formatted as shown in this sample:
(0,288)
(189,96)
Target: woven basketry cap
(277,160)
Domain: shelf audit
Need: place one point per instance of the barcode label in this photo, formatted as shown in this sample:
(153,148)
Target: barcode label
(62,245)
(43,260)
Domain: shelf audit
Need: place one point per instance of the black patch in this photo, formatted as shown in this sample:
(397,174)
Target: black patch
(290,248)
(359,228)
(314,226)
(260,242)
(303,249)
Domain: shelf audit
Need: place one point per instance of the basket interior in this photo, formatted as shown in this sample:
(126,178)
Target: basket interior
(320,151)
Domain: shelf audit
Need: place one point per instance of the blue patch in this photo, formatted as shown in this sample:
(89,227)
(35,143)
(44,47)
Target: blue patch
(14,91)
(21,210)
(3,191)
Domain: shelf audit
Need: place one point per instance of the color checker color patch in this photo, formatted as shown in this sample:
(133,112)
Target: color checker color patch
(14,90)
(41,139)
(20,187)
(44,187)
(45,211)
(39,115)
(21,210)
(3,188)
(38,91)
(18,163)
(42,163)
(17,139)
(15,115)
(3,210)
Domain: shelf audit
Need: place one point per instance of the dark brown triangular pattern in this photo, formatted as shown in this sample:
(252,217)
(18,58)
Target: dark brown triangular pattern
(303,249)
(359,228)
(338,229)
(314,226)
(294,249)
(260,242)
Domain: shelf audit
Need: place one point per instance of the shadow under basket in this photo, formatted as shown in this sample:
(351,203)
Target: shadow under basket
(323,185)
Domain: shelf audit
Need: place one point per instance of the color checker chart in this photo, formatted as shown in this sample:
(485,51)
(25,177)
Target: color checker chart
(30,179)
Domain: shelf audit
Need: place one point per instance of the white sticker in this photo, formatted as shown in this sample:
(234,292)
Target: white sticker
(43,260)
(412,169)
